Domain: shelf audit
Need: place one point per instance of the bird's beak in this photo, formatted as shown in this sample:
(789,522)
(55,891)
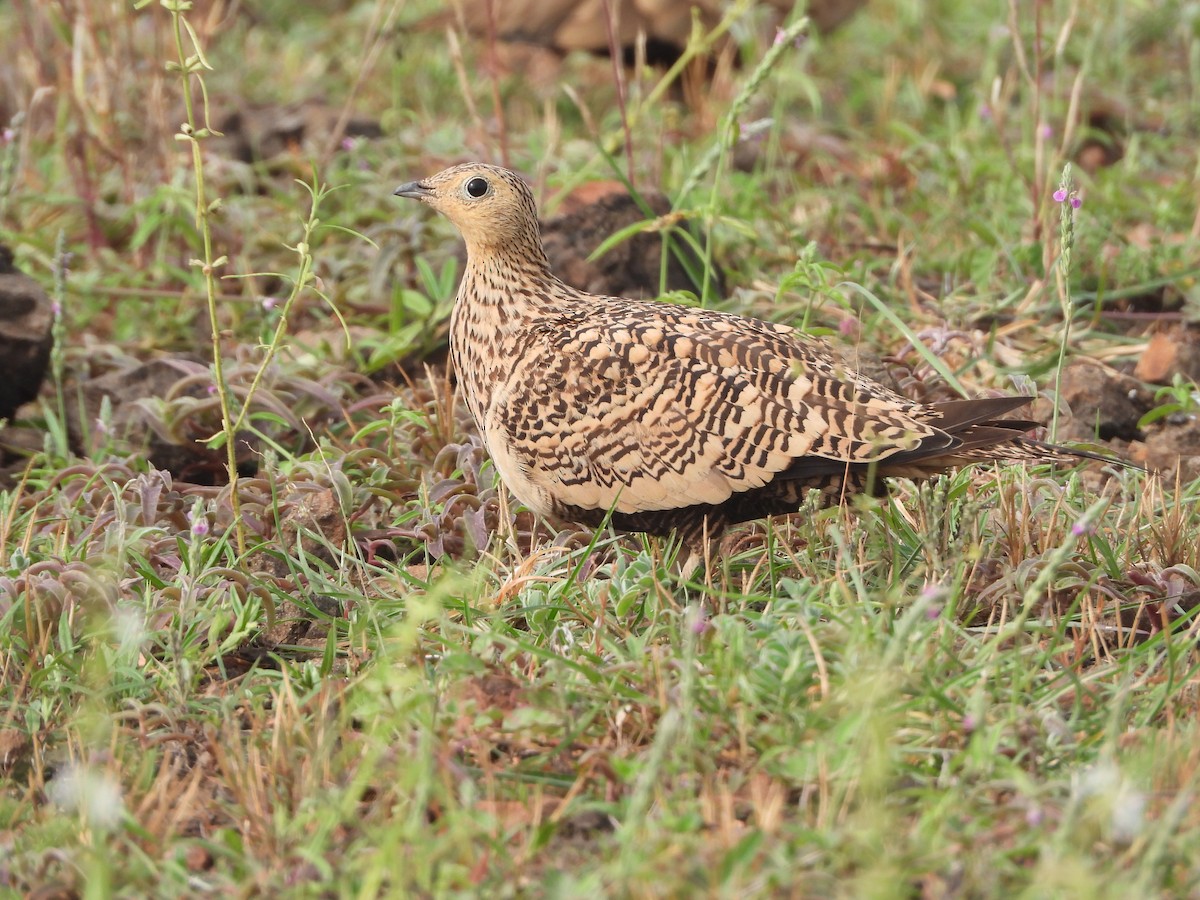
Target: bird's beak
(414,190)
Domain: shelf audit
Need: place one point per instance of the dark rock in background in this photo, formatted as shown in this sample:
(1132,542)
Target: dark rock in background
(1172,449)
(566,25)
(265,132)
(1170,353)
(1104,404)
(629,269)
(26,320)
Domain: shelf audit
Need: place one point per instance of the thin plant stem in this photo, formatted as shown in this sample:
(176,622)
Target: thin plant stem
(715,159)
(1066,240)
(187,66)
(494,73)
(303,279)
(614,54)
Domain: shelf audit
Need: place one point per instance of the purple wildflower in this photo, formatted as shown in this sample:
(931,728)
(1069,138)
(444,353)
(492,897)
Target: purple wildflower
(933,594)
(1060,195)
(781,36)
(754,132)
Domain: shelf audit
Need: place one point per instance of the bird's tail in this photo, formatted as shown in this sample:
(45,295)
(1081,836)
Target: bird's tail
(981,433)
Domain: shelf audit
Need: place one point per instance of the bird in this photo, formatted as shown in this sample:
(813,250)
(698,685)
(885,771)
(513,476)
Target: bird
(658,417)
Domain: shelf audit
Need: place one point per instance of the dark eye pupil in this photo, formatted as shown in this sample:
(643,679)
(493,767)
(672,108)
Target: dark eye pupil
(477,187)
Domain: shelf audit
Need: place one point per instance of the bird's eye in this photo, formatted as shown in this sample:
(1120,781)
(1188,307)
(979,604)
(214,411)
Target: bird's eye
(477,187)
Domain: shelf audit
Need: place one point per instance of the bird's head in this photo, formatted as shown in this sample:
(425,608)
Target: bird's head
(492,207)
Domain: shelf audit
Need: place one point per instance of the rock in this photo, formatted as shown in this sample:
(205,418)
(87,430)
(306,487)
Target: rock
(629,269)
(1170,353)
(1173,450)
(26,320)
(266,132)
(1102,403)
(567,25)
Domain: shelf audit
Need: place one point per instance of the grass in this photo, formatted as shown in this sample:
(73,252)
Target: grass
(366,672)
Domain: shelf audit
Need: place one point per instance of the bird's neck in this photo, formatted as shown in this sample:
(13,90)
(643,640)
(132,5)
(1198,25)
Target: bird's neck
(518,249)
(500,297)
(509,282)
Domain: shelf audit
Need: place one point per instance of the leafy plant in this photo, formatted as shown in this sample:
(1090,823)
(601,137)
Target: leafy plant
(1179,399)
(415,317)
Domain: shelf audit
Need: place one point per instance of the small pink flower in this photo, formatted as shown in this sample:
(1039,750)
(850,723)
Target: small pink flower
(197,522)
(56,308)
(1061,196)
(348,144)
(781,36)
(1045,131)
(268,303)
(754,131)
(848,327)
(933,594)
(985,113)
(1082,527)
(7,135)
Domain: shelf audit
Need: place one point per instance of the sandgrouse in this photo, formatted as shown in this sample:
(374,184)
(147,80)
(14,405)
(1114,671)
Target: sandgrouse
(666,416)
